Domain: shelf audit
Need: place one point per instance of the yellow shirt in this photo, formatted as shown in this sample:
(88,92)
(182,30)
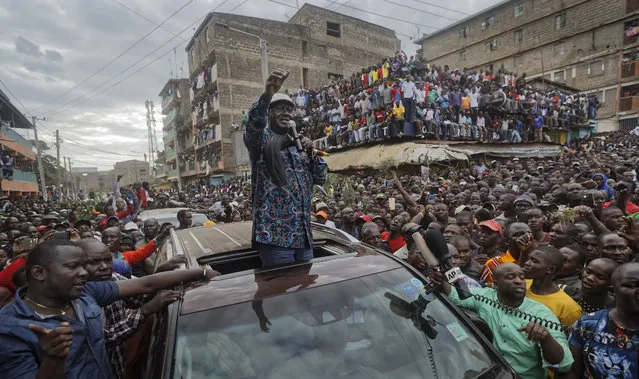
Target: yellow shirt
(328,130)
(385,68)
(399,112)
(375,76)
(465,102)
(562,305)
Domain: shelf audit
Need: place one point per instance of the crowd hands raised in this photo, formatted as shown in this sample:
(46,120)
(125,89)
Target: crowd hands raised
(556,238)
(407,98)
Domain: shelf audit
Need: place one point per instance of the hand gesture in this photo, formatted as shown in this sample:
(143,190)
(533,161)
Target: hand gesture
(535,332)
(211,273)
(74,235)
(119,177)
(54,343)
(172,264)
(526,242)
(584,211)
(307,145)
(275,81)
(164,232)
(161,300)
(630,232)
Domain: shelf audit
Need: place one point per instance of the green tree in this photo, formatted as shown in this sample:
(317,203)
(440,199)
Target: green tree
(49,164)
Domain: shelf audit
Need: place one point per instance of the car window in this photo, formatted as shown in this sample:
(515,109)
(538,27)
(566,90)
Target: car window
(198,218)
(372,327)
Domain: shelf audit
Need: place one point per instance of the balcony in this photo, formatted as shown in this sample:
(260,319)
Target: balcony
(630,70)
(190,169)
(170,117)
(172,174)
(168,101)
(207,136)
(169,135)
(170,155)
(22,176)
(15,143)
(629,104)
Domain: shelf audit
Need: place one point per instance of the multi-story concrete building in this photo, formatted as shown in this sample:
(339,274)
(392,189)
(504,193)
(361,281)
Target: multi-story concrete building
(132,171)
(590,45)
(90,179)
(24,181)
(178,132)
(226,71)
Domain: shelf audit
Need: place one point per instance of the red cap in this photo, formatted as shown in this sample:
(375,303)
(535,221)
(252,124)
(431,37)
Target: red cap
(41,228)
(366,218)
(492,225)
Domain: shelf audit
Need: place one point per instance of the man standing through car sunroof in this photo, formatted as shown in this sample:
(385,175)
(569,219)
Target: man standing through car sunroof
(282,178)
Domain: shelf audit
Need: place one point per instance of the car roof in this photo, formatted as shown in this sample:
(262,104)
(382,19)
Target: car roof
(222,238)
(161,211)
(242,287)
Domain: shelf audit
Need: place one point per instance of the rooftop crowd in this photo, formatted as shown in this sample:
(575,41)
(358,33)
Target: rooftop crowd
(408,98)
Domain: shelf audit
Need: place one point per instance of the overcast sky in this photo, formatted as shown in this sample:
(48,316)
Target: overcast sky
(52,51)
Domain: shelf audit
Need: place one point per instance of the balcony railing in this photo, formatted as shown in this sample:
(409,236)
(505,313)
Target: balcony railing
(22,176)
(170,155)
(169,135)
(629,104)
(16,137)
(630,69)
(167,102)
(172,174)
(171,116)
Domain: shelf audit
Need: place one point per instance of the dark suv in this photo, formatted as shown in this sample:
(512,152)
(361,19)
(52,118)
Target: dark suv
(352,312)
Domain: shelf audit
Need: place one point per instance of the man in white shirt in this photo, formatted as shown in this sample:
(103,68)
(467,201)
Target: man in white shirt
(409,89)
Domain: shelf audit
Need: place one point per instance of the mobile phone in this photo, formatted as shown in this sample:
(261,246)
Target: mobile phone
(64,235)
(27,243)
(391,203)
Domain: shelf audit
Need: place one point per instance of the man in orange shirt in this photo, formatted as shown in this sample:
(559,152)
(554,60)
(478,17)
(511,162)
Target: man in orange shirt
(520,243)
(111,238)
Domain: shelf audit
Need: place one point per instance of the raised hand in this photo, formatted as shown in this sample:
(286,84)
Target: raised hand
(161,300)
(275,81)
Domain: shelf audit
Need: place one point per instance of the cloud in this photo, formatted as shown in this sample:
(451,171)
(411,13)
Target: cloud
(53,55)
(27,47)
(49,48)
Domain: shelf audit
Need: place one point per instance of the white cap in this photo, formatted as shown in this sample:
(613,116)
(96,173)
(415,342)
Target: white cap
(131,226)
(280,97)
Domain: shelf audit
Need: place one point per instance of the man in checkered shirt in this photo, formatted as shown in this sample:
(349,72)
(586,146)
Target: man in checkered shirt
(124,317)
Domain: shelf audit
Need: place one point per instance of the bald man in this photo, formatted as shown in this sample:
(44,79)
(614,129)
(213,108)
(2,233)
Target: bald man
(621,323)
(529,347)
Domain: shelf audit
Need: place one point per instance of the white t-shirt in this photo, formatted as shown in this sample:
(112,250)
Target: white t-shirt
(409,89)
(473,100)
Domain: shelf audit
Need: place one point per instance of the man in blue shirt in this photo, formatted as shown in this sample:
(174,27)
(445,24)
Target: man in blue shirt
(54,327)
(282,178)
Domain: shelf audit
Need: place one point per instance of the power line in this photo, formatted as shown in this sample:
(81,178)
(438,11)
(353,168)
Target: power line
(15,97)
(419,10)
(119,56)
(238,6)
(439,6)
(387,17)
(142,16)
(65,106)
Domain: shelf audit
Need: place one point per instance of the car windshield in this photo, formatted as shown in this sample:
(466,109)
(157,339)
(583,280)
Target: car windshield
(198,218)
(376,326)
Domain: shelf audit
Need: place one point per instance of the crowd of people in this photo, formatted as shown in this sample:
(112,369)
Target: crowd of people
(402,98)
(552,237)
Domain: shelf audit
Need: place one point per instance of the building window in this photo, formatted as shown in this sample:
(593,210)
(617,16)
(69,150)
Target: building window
(596,67)
(519,10)
(462,56)
(492,45)
(304,48)
(630,31)
(516,61)
(560,76)
(558,49)
(332,76)
(206,33)
(560,20)
(519,36)
(490,21)
(305,77)
(464,32)
(333,29)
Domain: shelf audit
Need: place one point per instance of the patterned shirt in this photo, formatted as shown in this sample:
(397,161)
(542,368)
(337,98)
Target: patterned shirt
(492,263)
(281,216)
(611,353)
(120,324)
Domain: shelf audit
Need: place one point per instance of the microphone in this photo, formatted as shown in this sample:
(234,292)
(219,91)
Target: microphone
(437,244)
(296,138)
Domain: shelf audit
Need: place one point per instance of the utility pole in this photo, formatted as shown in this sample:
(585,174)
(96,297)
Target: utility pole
(57,145)
(43,183)
(72,177)
(66,178)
